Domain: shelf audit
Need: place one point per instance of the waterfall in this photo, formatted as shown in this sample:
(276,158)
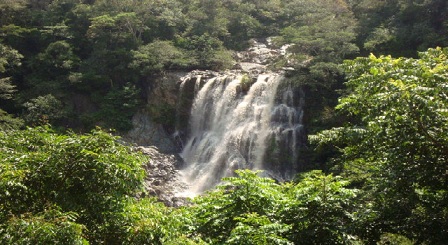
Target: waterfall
(233,126)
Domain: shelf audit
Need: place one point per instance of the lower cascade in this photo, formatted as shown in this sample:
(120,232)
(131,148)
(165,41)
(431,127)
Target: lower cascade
(241,123)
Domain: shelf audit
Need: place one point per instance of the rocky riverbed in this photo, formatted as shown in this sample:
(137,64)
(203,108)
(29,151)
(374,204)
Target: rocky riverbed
(162,180)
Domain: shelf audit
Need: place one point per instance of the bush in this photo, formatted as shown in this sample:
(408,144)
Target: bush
(49,227)
(88,175)
(148,222)
(43,110)
(249,209)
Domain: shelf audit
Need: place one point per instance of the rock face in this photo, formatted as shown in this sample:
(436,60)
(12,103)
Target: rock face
(260,56)
(163,91)
(161,128)
(170,96)
(148,133)
(162,177)
(154,124)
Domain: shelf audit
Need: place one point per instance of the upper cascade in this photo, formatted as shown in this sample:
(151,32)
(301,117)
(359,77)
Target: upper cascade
(239,122)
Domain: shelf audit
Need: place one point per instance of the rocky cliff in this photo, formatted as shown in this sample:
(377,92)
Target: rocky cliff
(160,128)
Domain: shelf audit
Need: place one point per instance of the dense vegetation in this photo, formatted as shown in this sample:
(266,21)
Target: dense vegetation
(79,63)
(381,152)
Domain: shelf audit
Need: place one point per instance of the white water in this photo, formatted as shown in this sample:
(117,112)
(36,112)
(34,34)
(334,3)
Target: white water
(230,129)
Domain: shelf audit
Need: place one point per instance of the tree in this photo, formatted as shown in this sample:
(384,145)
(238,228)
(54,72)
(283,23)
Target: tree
(8,121)
(8,8)
(148,222)
(320,210)
(158,56)
(401,147)
(43,110)
(249,209)
(123,29)
(9,59)
(322,34)
(208,17)
(58,57)
(238,209)
(118,107)
(82,178)
(401,27)
(207,51)
(49,227)
(53,70)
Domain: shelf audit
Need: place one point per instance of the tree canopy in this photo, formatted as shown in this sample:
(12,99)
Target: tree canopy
(398,144)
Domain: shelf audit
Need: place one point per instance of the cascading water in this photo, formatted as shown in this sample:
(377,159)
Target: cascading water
(231,128)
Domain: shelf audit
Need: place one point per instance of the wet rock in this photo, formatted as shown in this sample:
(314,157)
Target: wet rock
(146,132)
(175,92)
(260,55)
(162,176)
(163,91)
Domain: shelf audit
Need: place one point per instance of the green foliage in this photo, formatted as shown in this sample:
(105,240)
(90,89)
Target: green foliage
(222,211)
(401,149)
(320,210)
(401,27)
(50,227)
(109,31)
(118,107)
(148,222)
(9,58)
(6,88)
(249,209)
(255,229)
(58,56)
(394,239)
(246,82)
(13,4)
(379,36)
(8,122)
(43,110)
(158,56)
(322,34)
(90,175)
(208,51)
(164,114)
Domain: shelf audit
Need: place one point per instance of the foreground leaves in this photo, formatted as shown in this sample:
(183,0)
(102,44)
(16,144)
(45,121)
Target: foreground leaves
(88,175)
(249,209)
(399,145)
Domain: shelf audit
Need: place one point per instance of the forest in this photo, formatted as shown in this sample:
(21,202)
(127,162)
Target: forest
(74,72)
